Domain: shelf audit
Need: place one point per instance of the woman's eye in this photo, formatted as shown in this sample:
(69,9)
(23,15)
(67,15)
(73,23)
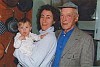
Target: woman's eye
(48,17)
(41,17)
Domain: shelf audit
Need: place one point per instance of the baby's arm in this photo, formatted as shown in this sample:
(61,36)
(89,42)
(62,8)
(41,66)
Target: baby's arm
(36,37)
(18,40)
(22,37)
(41,36)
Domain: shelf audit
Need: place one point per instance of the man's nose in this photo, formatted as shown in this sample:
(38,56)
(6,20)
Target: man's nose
(64,18)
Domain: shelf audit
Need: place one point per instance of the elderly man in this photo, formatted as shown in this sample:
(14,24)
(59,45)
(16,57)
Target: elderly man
(74,47)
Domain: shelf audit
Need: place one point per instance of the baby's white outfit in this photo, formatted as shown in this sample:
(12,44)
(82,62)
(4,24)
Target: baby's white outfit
(25,46)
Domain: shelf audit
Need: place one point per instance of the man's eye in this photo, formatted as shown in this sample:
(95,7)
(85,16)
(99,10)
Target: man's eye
(69,16)
(61,15)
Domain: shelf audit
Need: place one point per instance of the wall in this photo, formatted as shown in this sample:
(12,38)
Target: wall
(97,31)
(5,13)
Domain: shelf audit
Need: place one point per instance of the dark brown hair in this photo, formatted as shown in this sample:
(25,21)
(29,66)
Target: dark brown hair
(55,12)
(24,20)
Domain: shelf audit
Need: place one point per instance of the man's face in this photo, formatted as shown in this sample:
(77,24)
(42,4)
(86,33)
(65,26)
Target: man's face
(68,18)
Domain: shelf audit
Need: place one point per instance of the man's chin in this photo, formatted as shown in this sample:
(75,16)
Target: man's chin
(66,29)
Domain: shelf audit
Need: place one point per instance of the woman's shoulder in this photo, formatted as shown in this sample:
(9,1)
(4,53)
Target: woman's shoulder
(51,34)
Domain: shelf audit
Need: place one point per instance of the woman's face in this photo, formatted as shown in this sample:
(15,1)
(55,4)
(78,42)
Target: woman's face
(46,19)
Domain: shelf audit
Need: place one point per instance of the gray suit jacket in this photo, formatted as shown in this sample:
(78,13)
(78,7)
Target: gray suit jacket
(79,50)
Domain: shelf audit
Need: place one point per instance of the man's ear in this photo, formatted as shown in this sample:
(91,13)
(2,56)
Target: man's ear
(76,19)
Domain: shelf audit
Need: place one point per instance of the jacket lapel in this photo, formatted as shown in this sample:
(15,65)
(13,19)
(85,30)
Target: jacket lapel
(57,33)
(72,40)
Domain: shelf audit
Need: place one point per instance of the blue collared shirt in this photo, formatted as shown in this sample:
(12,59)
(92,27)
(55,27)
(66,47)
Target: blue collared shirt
(63,38)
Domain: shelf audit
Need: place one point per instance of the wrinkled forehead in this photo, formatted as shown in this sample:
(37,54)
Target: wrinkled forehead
(69,10)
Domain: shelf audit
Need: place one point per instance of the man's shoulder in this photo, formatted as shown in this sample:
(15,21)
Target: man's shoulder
(83,33)
(57,33)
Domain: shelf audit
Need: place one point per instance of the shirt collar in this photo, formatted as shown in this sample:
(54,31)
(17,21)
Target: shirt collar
(51,29)
(63,33)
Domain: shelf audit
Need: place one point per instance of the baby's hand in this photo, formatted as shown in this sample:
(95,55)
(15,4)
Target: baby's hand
(22,37)
(43,35)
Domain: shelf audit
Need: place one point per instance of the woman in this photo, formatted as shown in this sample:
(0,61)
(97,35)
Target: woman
(44,50)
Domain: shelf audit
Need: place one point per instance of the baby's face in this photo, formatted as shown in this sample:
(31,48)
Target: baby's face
(24,29)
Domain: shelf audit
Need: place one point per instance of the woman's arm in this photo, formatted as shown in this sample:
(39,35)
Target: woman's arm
(42,53)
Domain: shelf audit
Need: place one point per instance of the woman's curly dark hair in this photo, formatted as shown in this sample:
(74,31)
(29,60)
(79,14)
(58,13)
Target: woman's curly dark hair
(55,12)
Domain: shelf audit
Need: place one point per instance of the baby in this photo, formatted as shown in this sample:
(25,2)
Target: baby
(24,39)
